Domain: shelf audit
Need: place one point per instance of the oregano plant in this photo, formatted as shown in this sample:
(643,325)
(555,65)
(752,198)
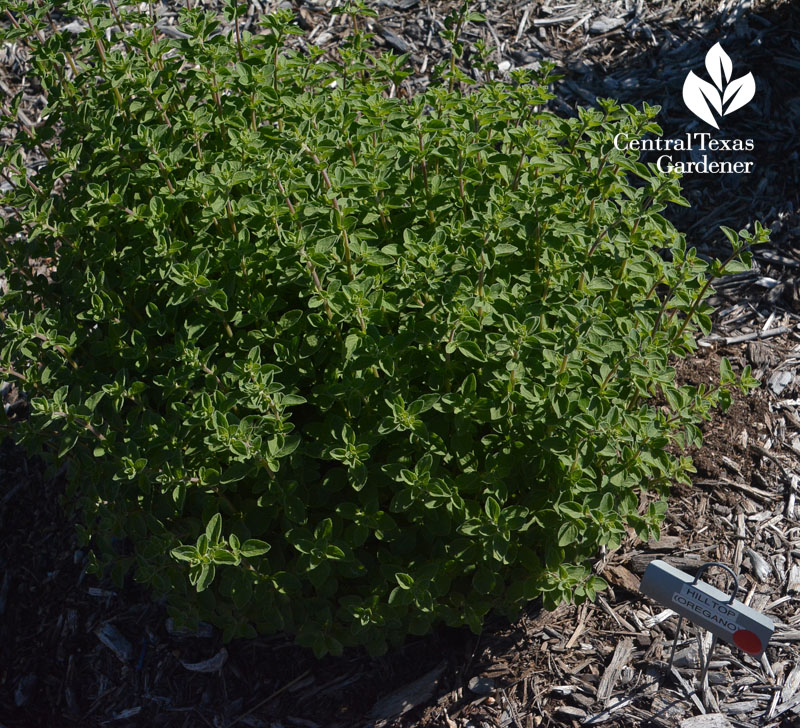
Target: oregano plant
(325,360)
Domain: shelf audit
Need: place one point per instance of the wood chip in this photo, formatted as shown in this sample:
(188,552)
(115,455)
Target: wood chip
(568,711)
(613,706)
(668,708)
(712,720)
(604,24)
(481,685)
(760,565)
(665,543)
(639,562)
(687,657)
(620,576)
(728,340)
(743,706)
(688,690)
(578,630)
(651,622)
(722,485)
(541,22)
(741,535)
(793,582)
(212,664)
(779,381)
(394,41)
(791,685)
(792,635)
(622,654)
(112,638)
(407,697)
(621,621)
(793,705)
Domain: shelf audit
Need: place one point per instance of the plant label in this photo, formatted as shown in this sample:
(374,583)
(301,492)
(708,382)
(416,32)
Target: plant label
(707,607)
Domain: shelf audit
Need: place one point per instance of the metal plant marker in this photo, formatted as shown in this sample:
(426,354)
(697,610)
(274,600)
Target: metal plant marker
(707,607)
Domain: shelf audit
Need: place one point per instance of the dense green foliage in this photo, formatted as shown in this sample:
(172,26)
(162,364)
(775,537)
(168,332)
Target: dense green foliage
(334,362)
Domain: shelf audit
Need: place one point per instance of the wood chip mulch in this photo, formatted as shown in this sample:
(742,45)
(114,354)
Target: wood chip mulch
(77,652)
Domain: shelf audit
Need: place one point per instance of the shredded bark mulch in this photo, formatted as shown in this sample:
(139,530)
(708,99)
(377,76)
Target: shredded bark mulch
(77,652)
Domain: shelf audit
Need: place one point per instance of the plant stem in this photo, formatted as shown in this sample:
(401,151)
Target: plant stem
(238,36)
(425,176)
(701,295)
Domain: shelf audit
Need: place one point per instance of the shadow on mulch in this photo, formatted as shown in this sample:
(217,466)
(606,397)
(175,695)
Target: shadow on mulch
(55,671)
(765,42)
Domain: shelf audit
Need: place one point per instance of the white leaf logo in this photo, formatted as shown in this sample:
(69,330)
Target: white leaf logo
(719,63)
(703,98)
(739,92)
(697,94)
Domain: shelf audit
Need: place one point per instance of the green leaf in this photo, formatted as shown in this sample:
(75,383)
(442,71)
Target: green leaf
(319,575)
(334,552)
(567,534)
(423,404)
(253,547)
(733,238)
(214,529)
(597,583)
(220,556)
(404,581)
(472,350)
(351,343)
(571,509)
(492,509)
(324,530)
(207,572)
(92,402)
(291,443)
(470,527)
(236,472)
(483,581)
(726,372)
(185,553)
(399,597)
(376,258)
(218,300)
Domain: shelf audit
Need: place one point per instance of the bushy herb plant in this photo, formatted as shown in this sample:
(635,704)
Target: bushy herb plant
(325,360)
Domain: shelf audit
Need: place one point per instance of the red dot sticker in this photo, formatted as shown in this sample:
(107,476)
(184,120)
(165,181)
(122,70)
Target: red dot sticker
(748,641)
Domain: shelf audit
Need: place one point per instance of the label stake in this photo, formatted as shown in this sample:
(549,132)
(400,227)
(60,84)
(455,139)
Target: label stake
(707,607)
